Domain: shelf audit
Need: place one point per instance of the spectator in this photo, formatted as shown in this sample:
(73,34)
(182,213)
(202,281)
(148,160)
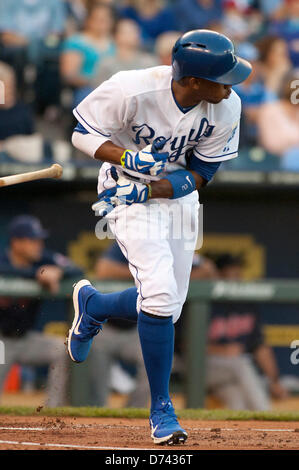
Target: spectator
(194,14)
(76,11)
(22,21)
(287,28)
(26,257)
(235,341)
(16,117)
(154,18)
(164,45)
(84,52)
(252,93)
(203,268)
(275,62)
(128,54)
(30,33)
(241,22)
(269,7)
(18,138)
(278,124)
(120,341)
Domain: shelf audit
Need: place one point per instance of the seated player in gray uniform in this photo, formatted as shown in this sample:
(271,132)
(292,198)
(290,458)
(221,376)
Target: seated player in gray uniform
(236,350)
(26,257)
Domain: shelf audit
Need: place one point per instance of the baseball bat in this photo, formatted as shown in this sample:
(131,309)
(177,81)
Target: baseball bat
(54,171)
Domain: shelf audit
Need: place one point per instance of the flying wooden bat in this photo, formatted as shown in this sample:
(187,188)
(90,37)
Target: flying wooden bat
(54,171)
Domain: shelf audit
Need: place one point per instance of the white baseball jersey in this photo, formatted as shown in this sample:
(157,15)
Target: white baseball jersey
(133,108)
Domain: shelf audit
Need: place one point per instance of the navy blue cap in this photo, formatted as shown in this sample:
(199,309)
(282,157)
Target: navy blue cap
(27,226)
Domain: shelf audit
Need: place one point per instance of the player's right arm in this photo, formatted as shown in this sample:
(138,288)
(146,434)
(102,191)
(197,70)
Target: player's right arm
(205,158)
(103,114)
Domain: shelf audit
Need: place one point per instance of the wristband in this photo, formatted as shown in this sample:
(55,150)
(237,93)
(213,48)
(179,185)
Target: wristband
(149,187)
(182,182)
(123,158)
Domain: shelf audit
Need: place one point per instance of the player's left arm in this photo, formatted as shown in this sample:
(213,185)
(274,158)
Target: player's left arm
(165,188)
(182,182)
(126,192)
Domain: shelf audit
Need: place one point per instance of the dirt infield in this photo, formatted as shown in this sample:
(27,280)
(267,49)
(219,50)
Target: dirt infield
(41,432)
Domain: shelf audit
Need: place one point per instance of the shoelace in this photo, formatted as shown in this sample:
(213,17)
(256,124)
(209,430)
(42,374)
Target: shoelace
(168,415)
(91,330)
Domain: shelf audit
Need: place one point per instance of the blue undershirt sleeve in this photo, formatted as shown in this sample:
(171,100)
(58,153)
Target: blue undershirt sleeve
(80,128)
(204,169)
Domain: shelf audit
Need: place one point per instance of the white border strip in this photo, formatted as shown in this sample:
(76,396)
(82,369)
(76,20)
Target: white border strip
(70,446)
(245,430)
(78,446)
(8,428)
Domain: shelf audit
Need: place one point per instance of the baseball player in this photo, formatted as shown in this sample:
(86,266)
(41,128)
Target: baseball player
(162,133)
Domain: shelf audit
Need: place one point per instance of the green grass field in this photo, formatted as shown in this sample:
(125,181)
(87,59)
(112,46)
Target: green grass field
(198,414)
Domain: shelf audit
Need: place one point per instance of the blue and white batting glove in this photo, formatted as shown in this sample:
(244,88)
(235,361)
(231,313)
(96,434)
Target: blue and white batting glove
(125,192)
(148,160)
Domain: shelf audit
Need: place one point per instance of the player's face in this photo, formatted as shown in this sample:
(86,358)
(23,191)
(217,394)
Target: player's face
(27,248)
(211,92)
(127,34)
(10,92)
(99,21)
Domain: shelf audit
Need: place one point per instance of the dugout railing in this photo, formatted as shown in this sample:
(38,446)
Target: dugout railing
(200,296)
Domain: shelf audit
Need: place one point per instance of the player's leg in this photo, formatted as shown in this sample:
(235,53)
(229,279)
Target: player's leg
(114,344)
(42,349)
(157,301)
(251,385)
(183,243)
(157,341)
(231,396)
(130,351)
(157,331)
(151,263)
(92,309)
(222,383)
(117,305)
(101,358)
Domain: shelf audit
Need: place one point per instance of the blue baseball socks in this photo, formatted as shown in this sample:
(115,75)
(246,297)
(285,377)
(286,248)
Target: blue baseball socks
(156,336)
(157,343)
(116,305)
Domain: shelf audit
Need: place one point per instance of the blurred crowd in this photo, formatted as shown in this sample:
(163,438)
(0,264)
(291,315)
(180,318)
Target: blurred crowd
(53,53)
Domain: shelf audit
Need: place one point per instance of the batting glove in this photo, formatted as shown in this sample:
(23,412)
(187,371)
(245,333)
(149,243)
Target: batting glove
(148,160)
(125,192)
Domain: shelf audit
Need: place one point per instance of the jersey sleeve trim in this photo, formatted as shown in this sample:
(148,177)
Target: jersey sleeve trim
(81,118)
(216,158)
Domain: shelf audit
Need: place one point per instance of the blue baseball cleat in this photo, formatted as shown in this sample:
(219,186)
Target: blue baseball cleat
(165,428)
(84,327)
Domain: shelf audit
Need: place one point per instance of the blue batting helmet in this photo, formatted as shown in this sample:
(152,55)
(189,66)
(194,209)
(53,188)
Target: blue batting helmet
(206,54)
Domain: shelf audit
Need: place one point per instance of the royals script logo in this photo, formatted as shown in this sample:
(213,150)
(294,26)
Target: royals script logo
(144,134)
